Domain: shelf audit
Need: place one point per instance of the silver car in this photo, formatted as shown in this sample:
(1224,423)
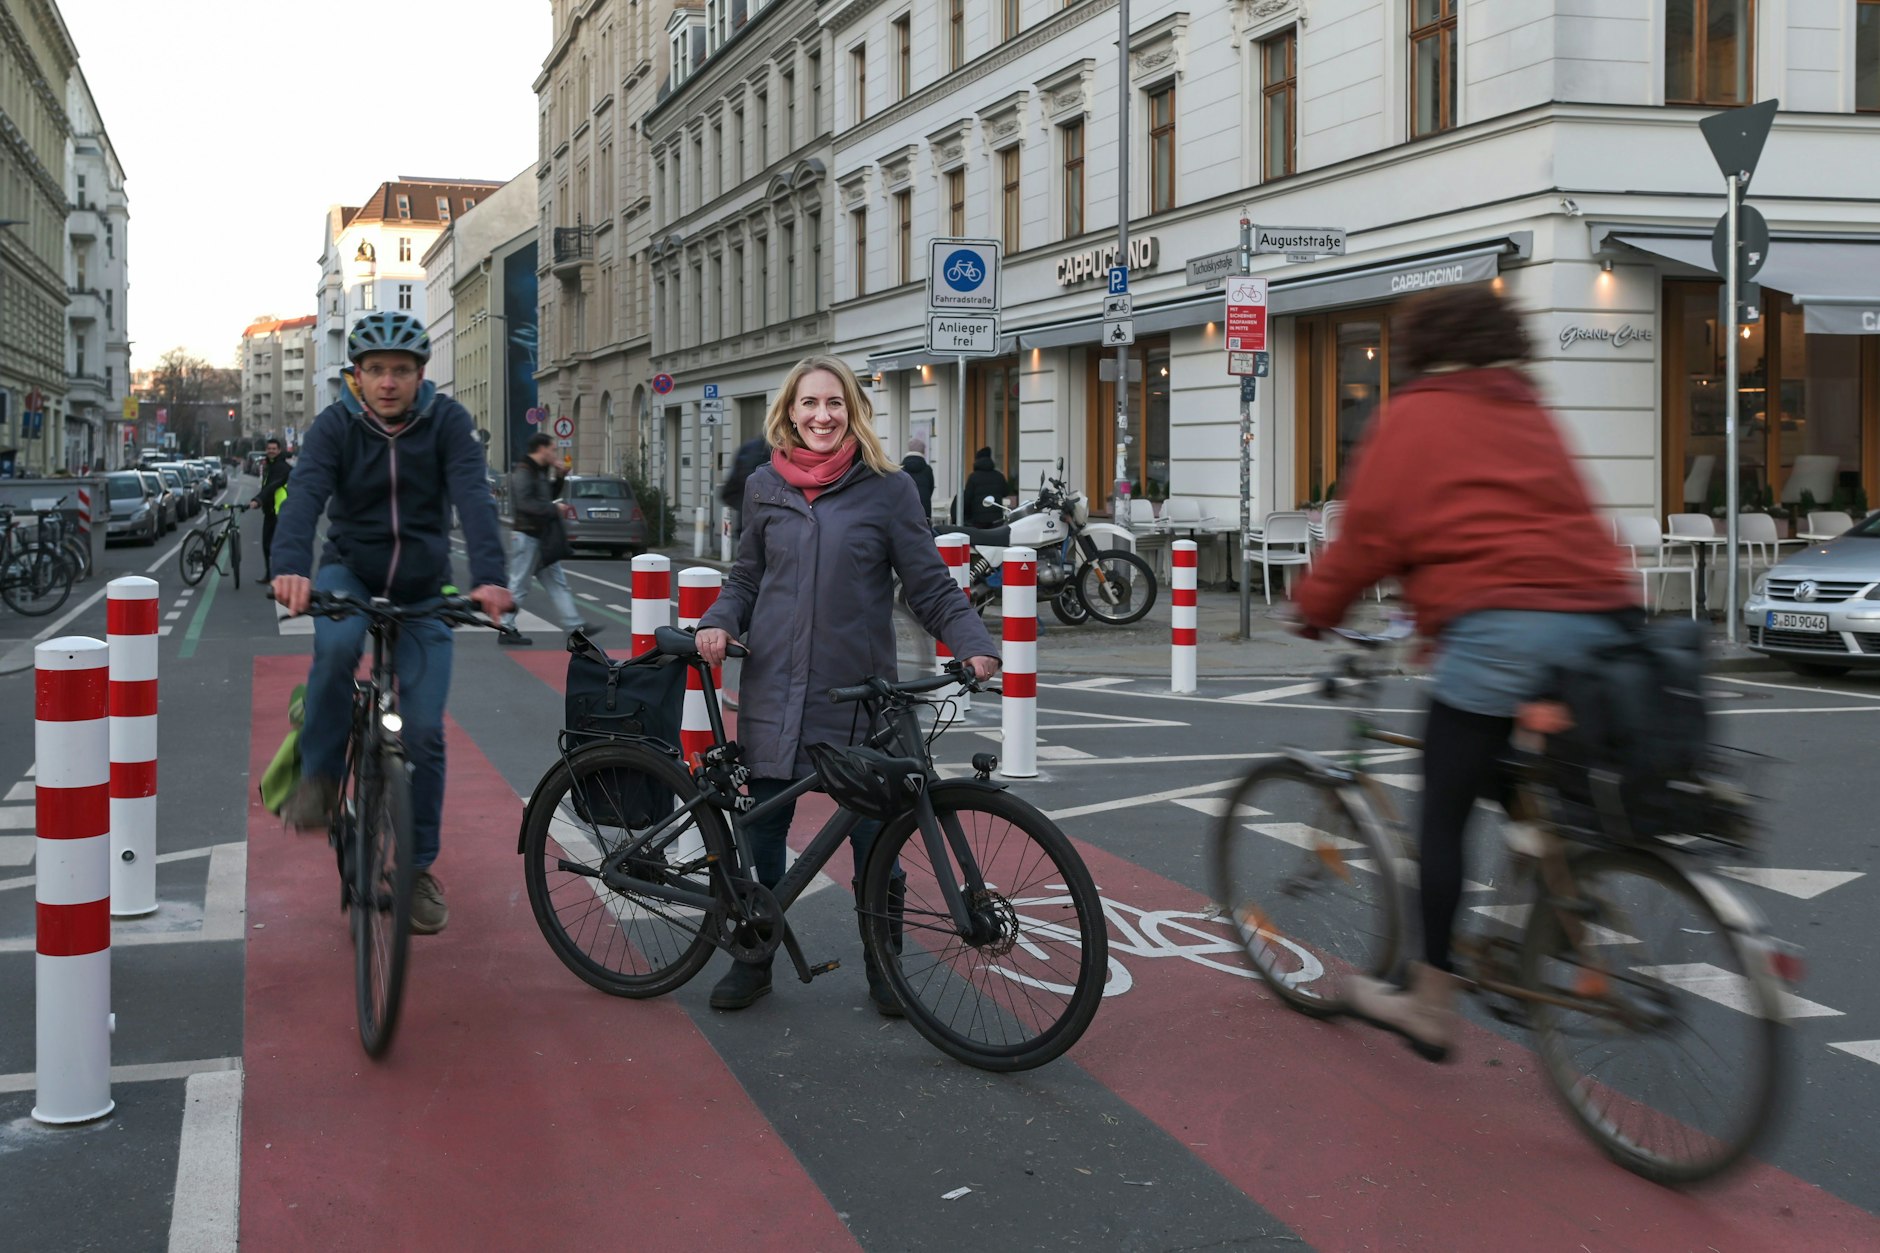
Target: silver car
(166,499)
(599,511)
(1819,611)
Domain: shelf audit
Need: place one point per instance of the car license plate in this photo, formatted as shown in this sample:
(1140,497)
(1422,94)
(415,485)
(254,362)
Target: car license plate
(611,515)
(1797,621)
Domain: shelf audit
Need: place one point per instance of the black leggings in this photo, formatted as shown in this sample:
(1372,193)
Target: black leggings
(1460,755)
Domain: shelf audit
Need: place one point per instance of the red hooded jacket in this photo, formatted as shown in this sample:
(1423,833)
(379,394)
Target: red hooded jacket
(1464,491)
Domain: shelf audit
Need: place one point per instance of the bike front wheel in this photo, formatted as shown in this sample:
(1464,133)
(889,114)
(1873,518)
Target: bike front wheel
(383,875)
(586,812)
(234,542)
(1307,874)
(1021,988)
(1116,587)
(36,582)
(1661,1025)
(194,559)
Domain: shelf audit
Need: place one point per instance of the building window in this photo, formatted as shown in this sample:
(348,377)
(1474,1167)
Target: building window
(1073,178)
(698,303)
(1008,19)
(858,82)
(737,295)
(815,94)
(904,236)
(1433,66)
(815,263)
(469,203)
(368,299)
(737,140)
(763,129)
(956,202)
(404,207)
(903,58)
(1866,63)
(404,247)
(1008,201)
(404,295)
(1162,149)
(1710,51)
(956,33)
(1279,93)
(789,272)
(443,208)
(718,158)
(858,230)
(763,280)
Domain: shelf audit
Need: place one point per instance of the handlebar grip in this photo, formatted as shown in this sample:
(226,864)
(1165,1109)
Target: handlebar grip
(842,695)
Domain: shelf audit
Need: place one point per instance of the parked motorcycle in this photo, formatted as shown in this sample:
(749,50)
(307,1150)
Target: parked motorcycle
(1079,579)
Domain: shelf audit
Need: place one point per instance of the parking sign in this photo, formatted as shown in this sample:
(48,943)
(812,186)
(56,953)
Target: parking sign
(963,275)
(1119,279)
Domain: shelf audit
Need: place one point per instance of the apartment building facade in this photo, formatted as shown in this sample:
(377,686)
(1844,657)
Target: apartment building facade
(1540,146)
(279,396)
(97,339)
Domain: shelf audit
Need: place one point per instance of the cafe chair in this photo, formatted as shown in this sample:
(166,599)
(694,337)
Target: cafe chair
(1640,536)
(1284,539)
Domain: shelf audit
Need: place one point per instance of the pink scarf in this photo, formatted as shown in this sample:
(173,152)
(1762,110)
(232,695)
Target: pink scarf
(814,472)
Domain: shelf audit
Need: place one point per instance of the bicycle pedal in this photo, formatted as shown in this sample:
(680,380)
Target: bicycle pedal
(824,969)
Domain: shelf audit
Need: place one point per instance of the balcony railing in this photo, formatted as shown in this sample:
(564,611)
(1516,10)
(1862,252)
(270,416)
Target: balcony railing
(573,244)
(85,304)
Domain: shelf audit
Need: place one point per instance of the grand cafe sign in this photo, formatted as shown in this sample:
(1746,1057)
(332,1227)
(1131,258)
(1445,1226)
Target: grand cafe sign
(1094,263)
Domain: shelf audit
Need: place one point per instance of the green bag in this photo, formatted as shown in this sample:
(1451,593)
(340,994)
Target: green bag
(283,773)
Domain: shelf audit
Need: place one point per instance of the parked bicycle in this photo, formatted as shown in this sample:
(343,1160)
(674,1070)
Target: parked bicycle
(204,546)
(975,905)
(1614,953)
(35,572)
(62,533)
(371,833)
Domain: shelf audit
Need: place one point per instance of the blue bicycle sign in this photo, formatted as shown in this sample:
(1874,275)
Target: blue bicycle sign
(963,275)
(964,272)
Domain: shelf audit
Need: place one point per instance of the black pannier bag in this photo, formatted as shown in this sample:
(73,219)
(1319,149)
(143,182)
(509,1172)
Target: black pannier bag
(643,698)
(1637,761)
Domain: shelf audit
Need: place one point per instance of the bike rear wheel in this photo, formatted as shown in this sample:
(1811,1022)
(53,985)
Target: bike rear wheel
(1665,1080)
(234,542)
(78,554)
(383,875)
(1116,587)
(1021,991)
(584,812)
(194,559)
(1308,875)
(35,582)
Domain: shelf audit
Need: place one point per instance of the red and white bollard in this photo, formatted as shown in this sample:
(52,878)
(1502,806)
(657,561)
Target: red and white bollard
(1182,573)
(724,534)
(72,883)
(131,611)
(1018,712)
(698,588)
(652,599)
(956,550)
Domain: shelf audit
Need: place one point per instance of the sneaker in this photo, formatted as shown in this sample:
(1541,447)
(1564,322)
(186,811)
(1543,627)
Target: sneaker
(514,639)
(310,808)
(429,913)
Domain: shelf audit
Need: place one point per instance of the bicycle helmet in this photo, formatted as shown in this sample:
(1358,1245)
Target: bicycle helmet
(388,331)
(867,781)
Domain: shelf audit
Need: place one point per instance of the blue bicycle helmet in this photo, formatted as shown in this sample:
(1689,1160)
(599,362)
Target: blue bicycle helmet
(388,331)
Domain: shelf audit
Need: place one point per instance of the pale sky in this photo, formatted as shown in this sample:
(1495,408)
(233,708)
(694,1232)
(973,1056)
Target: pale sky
(238,122)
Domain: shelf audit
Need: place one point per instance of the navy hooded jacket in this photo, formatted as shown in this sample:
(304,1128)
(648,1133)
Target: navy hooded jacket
(391,492)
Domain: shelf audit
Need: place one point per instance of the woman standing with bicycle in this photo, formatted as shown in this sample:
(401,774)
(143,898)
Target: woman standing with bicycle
(1465,492)
(826,524)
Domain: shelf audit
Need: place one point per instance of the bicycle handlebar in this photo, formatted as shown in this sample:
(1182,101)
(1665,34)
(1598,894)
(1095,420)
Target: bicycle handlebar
(878,688)
(451,610)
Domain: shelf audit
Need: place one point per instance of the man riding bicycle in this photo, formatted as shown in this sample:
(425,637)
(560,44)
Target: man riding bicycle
(393,456)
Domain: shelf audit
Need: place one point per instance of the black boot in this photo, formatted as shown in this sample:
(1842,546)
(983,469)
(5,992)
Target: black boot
(742,985)
(878,990)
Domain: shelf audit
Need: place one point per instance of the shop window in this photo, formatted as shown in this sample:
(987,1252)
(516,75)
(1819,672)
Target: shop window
(1433,66)
(1867,56)
(1278,104)
(1347,370)
(1146,464)
(1162,149)
(1073,178)
(1710,51)
(992,412)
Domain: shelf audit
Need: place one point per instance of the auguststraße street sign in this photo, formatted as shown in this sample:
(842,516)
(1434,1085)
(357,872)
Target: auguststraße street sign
(1314,241)
(963,334)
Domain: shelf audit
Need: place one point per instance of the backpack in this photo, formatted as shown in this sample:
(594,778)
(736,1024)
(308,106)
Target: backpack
(1633,765)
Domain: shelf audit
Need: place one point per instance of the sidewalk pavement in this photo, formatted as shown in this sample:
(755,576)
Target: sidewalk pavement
(1142,648)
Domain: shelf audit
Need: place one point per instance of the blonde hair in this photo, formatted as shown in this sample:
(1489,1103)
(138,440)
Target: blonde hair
(781,432)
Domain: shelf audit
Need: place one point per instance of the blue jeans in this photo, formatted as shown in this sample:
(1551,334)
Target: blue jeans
(423,664)
(523,551)
(767,836)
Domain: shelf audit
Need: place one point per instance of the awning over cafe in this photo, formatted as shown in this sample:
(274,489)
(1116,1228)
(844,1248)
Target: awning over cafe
(1836,281)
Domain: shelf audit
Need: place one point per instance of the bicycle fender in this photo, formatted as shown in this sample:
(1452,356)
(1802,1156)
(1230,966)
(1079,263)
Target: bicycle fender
(1730,905)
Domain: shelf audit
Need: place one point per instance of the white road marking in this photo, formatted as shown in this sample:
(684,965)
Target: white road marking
(26,881)
(32,770)
(1215,806)
(1803,884)
(1803,709)
(626,609)
(17,850)
(145,1072)
(1128,802)
(164,560)
(1060,752)
(587,596)
(47,633)
(1866,1050)
(580,574)
(18,818)
(301,625)
(1276,693)
(204,1214)
(1108,680)
(1407,782)
(1300,835)
(1729,989)
(1517,916)
(1796,687)
(225,899)
(165,630)
(173,615)
(20,792)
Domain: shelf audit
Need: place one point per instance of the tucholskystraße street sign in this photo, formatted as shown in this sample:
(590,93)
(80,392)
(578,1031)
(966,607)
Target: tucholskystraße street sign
(1208,271)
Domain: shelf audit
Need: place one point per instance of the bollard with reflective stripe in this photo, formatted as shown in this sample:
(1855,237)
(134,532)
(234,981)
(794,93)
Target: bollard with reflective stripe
(956,551)
(72,880)
(652,599)
(698,589)
(1018,711)
(131,630)
(1182,621)
(724,534)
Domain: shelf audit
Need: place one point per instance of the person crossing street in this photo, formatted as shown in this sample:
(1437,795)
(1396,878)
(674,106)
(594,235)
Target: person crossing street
(537,542)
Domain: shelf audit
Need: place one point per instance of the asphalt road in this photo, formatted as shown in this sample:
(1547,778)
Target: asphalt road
(521,1106)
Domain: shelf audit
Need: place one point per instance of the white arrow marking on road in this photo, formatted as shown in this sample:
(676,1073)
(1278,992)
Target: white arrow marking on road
(1729,989)
(1866,1050)
(1803,884)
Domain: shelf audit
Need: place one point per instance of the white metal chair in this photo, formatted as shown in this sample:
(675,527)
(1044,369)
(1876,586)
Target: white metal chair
(1826,525)
(1697,482)
(1649,557)
(1285,539)
(1757,533)
(1325,530)
(1813,473)
(1181,513)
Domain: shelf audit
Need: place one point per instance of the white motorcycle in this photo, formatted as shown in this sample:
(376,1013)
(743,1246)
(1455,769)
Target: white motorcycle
(1080,579)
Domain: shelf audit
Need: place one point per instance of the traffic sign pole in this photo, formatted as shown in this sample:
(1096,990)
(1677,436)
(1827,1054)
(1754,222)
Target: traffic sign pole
(1246,461)
(1732,610)
(1119,498)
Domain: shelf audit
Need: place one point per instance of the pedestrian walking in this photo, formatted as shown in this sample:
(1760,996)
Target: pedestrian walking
(751,454)
(269,498)
(915,463)
(538,542)
(984,481)
(831,519)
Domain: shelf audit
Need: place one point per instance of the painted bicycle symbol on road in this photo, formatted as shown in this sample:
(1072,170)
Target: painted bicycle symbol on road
(963,271)
(1147,933)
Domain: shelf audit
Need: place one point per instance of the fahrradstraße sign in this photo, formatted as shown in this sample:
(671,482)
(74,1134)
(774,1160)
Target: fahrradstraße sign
(963,276)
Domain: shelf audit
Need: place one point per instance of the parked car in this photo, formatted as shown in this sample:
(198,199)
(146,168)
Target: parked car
(188,504)
(211,466)
(600,512)
(166,499)
(1818,611)
(135,512)
(198,481)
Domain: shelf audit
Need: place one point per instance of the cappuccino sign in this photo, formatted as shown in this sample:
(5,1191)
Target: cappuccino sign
(1616,338)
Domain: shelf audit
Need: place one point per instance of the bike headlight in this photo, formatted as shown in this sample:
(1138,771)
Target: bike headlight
(393,723)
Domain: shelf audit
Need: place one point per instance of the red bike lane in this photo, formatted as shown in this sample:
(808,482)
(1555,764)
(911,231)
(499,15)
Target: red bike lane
(513,1109)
